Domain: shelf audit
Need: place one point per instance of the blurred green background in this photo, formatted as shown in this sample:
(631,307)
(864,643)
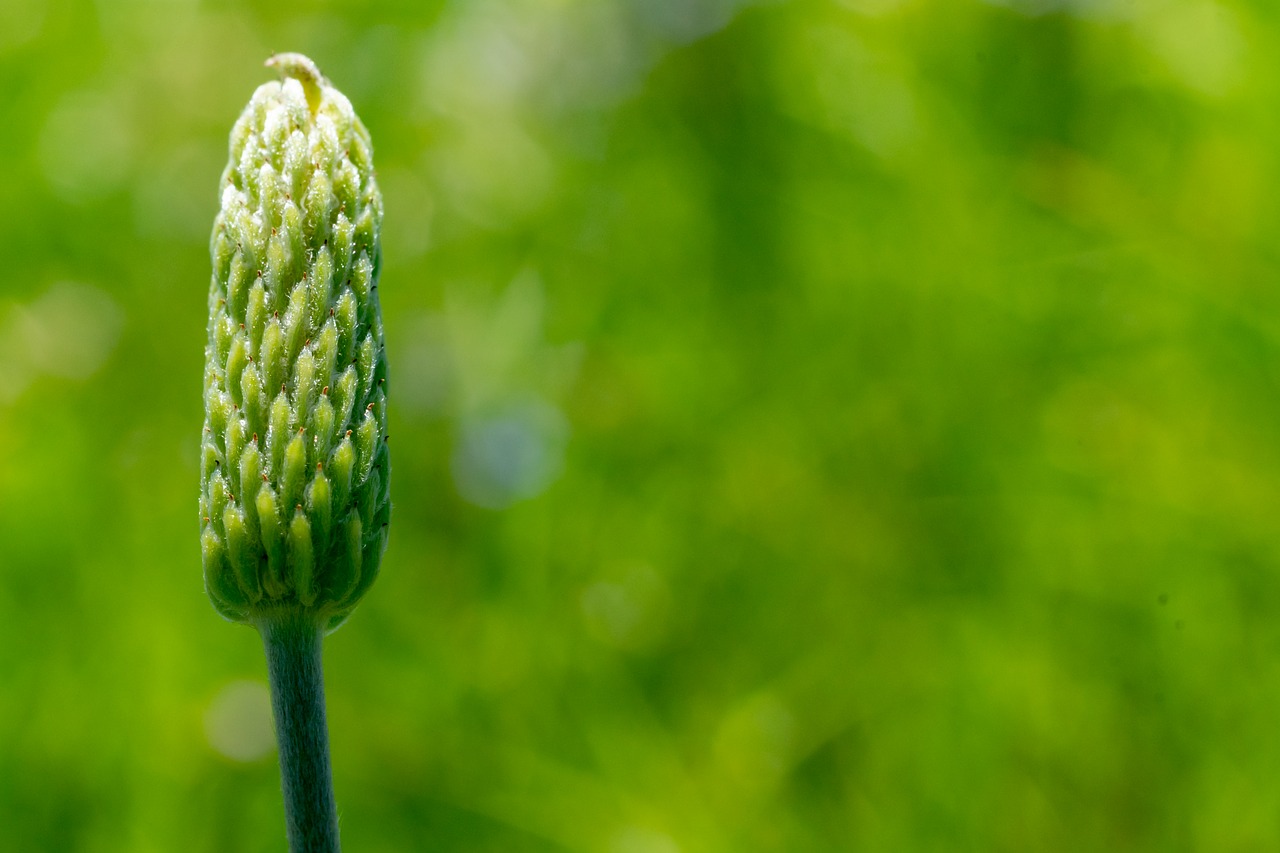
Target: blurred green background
(816,427)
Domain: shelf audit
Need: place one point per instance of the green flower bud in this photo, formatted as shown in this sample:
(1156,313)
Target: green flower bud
(294,467)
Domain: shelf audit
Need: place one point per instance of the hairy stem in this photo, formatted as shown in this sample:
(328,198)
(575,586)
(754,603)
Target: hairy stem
(292,642)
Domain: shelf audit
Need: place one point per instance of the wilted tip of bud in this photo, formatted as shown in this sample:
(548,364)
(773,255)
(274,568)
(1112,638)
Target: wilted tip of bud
(303,69)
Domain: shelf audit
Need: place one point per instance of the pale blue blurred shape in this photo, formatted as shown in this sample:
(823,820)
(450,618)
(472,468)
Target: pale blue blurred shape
(684,21)
(510,454)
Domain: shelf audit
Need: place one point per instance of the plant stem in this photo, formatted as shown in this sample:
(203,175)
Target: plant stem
(292,642)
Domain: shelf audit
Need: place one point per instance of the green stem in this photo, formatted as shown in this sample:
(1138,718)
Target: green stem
(292,643)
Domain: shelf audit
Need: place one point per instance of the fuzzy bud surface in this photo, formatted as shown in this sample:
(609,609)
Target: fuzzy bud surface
(294,472)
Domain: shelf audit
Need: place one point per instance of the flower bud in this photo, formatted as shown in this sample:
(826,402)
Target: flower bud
(294,500)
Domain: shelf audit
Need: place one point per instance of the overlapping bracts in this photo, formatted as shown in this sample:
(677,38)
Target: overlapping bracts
(294,500)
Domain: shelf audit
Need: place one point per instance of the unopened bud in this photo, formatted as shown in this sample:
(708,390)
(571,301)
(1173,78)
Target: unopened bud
(294,500)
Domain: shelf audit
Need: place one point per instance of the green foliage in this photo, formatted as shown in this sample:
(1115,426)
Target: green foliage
(818,427)
(294,304)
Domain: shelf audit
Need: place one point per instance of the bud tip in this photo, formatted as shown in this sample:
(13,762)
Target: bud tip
(302,69)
